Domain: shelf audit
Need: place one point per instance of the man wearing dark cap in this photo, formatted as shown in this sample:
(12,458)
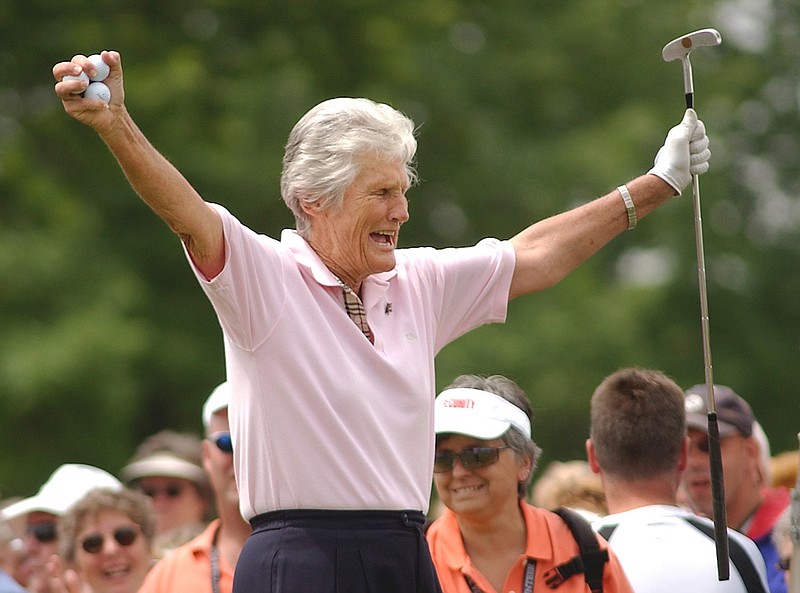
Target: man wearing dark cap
(752,507)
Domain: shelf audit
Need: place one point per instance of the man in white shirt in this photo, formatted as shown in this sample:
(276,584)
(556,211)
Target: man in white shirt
(638,445)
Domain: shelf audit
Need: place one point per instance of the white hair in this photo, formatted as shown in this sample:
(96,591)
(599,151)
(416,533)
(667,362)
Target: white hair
(325,150)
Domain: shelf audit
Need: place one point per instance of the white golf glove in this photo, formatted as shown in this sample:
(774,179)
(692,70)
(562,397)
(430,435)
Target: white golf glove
(674,163)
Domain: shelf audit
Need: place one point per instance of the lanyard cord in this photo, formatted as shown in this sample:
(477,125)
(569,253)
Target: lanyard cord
(215,564)
(527,580)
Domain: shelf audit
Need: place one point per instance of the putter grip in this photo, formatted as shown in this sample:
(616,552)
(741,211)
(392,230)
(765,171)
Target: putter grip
(718,498)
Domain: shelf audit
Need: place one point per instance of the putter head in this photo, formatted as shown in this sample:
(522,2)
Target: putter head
(678,49)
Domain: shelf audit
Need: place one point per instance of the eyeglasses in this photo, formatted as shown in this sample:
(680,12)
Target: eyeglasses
(223,441)
(470,458)
(125,536)
(170,491)
(43,532)
(785,563)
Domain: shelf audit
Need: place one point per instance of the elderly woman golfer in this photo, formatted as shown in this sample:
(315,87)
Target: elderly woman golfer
(331,332)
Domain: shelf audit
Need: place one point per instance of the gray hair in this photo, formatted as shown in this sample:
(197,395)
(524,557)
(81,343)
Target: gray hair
(135,505)
(523,447)
(325,150)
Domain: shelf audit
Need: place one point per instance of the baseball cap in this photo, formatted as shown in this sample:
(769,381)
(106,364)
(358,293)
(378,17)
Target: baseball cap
(219,399)
(66,486)
(477,413)
(734,415)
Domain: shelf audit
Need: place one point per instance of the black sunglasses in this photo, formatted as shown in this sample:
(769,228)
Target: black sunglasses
(470,458)
(125,536)
(43,532)
(171,491)
(701,444)
(223,441)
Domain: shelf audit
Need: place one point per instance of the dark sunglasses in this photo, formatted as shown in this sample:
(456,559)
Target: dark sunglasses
(470,458)
(223,441)
(43,532)
(125,536)
(171,491)
(785,564)
(701,444)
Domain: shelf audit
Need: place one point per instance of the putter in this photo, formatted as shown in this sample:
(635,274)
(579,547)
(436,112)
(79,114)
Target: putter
(679,49)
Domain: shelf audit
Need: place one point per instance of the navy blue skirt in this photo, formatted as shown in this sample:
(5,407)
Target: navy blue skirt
(336,552)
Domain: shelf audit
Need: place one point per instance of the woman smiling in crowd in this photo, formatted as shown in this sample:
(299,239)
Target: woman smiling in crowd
(107,543)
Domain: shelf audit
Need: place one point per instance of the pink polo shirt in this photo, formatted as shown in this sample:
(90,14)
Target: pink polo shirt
(321,418)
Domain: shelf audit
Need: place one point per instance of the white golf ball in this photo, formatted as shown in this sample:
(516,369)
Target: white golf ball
(97,90)
(101,66)
(81,76)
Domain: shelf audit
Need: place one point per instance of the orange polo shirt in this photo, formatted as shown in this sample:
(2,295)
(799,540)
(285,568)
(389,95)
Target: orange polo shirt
(550,543)
(187,568)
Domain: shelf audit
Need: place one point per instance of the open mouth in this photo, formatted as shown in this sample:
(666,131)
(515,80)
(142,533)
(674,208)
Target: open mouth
(117,572)
(385,238)
(467,489)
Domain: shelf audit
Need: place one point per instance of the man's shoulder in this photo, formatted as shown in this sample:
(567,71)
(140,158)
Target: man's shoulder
(180,564)
(773,503)
(648,514)
(177,572)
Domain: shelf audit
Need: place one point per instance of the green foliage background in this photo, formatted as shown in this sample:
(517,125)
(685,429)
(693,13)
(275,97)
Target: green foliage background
(525,109)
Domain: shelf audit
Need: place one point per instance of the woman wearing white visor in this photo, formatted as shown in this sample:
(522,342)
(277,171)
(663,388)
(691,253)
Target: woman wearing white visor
(489,539)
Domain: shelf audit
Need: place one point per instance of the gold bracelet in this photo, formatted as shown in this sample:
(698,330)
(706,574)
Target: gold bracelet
(626,197)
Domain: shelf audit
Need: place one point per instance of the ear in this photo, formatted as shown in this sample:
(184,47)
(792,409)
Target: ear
(592,457)
(524,469)
(754,455)
(310,208)
(683,455)
(206,445)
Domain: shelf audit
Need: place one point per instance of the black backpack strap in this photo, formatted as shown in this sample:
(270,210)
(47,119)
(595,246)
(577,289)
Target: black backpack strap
(741,560)
(590,561)
(606,531)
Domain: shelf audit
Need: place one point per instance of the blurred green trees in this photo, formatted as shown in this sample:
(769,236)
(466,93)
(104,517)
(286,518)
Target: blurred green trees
(524,109)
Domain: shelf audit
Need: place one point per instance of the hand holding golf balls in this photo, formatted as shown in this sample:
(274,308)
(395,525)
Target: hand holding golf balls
(96,89)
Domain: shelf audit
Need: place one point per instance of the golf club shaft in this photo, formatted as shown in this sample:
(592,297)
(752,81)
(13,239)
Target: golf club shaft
(714,451)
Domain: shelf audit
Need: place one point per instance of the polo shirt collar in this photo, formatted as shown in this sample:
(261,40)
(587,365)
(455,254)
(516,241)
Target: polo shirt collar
(306,257)
(539,545)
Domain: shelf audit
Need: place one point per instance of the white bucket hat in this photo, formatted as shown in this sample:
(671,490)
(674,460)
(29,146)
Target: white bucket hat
(66,486)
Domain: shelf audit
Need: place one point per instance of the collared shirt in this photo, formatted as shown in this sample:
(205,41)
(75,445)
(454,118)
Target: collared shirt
(187,568)
(320,417)
(549,543)
(9,585)
(662,552)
